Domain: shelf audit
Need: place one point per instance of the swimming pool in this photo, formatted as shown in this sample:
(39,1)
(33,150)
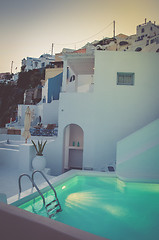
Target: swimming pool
(106,206)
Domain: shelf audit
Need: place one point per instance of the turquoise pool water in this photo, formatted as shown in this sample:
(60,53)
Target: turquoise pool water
(106,207)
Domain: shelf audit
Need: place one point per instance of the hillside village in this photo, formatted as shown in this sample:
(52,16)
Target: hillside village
(146,39)
(93,97)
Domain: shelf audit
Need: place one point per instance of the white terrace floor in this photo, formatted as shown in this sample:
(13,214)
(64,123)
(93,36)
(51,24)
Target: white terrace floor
(9,181)
(9,177)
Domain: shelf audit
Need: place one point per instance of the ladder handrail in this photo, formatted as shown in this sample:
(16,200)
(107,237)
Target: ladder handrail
(33,183)
(40,193)
(38,171)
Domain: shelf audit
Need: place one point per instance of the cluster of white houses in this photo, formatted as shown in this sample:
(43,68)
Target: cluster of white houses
(31,63)
(145,39)
(97,99)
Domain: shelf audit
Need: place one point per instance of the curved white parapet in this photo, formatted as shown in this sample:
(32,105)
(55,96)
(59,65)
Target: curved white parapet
(15,221)
(138,155)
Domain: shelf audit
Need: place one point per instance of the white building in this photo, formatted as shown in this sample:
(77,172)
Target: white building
(35,63)
(148,29)
(112,94)
(146,39)
(124,99)
(105,96)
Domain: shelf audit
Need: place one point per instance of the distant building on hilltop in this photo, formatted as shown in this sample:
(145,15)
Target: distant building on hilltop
(146,39)
(35,63)
(148,29)
(5,77)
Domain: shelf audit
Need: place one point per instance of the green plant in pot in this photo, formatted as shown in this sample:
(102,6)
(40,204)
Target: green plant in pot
(39,162)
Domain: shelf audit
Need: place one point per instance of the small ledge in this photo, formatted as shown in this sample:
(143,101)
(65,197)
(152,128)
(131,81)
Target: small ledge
(75,148)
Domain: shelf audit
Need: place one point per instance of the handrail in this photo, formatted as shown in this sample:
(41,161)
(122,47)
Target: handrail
(33,183)
(45,179)
(40,193)
(37,171)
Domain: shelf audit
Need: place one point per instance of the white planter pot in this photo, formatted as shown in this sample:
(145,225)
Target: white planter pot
(39,162)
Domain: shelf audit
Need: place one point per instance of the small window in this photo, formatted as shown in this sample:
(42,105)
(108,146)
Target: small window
(142,30)
(138,49)
(152,41)
(125,78)
(72,78)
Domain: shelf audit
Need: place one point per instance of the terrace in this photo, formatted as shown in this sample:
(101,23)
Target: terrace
(9,181)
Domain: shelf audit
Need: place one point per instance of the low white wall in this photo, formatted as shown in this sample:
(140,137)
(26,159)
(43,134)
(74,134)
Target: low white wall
(9,158)
(18,159)
(53,152)
(138,155)
(26,154)
(19,224)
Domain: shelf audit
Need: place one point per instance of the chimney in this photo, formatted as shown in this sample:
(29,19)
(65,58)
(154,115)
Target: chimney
(145,20)
(154,22)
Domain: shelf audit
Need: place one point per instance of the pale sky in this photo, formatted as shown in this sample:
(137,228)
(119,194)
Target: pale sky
(29,27)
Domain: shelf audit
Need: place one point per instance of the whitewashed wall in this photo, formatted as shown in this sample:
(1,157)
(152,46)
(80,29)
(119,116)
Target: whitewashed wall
(17,158)
(138,155)
(9,158)
(149,28)
(112,112)
(45,92)
(21,113)
(48,113)
(70,86)
(84,83)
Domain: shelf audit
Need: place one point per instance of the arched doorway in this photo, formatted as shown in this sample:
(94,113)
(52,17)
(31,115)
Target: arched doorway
(73,147)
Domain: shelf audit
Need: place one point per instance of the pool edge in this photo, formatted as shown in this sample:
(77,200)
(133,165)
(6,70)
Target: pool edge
(56,181)
(17,223)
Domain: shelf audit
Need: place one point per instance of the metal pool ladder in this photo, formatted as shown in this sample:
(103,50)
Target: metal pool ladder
(52,207)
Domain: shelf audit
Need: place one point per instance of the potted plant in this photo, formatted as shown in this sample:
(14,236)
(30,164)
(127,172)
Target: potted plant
(39,162)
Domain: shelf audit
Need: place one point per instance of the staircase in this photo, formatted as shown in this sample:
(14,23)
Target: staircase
(137,157)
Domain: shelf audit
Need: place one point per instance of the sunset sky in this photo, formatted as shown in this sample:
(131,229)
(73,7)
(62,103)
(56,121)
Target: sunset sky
(28,28)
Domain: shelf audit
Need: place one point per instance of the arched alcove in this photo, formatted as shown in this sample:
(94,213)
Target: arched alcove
(73,147)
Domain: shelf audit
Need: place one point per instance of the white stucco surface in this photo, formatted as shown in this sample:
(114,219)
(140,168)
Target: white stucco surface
(48,113)
(138,155)
(111,112)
